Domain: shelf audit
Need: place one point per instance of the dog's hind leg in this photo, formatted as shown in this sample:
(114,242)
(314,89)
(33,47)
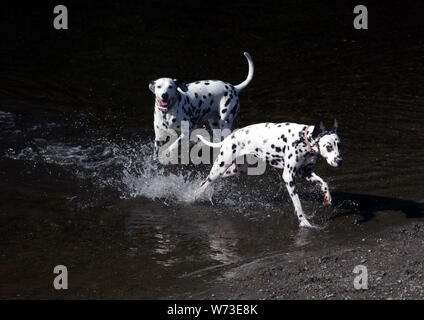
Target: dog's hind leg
(212,177)
(237,167)
(214,123)
(220,166)
(219,130)
(229,108)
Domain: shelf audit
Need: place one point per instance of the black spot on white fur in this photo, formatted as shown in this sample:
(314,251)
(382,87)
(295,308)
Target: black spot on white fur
(291,155)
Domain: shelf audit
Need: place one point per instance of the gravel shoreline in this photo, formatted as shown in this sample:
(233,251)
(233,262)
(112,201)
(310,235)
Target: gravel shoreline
(393,257)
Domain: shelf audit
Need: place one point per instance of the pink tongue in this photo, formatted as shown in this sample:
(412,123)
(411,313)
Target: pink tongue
(163,103)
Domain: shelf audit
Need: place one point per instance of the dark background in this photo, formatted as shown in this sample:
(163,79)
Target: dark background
(310,61)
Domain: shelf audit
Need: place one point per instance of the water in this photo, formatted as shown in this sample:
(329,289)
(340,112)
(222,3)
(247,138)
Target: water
(127,225)
(79,187)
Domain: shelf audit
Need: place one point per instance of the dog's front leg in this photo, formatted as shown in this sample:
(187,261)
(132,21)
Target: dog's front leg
(179,149)
(289,181)
(161,137)
(156,150)
(313,177)
(174,145)
(184,141)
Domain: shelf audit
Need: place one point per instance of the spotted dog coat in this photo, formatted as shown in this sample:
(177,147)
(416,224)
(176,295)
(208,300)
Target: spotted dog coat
(212,100)
(292,147)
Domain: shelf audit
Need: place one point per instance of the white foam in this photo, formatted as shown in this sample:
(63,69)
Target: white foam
(155,182)
(127,168)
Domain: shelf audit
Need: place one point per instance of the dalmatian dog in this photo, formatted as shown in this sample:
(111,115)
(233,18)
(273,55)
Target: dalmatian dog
(214,101)
(294,148)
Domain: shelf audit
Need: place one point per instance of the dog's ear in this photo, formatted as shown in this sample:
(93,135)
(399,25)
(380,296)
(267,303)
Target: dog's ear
(336,125)
(152,86)
(181,85)
(318,129)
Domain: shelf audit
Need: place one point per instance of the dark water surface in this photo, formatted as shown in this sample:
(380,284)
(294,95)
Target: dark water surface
(78,186)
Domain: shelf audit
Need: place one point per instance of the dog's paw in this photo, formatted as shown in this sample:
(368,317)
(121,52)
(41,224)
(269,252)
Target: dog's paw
(327,201)
(305,223)
(196,196)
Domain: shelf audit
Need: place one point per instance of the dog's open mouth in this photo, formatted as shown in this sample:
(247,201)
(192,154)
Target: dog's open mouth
(163,104)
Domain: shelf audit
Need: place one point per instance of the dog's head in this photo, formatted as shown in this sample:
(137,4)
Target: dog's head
(329,144)
(166,92)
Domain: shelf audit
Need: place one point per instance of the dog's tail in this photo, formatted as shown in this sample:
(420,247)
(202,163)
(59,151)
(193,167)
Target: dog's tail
(210,144)
(242,85)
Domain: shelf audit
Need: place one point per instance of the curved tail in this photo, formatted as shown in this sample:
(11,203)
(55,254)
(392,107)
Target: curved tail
(210,144)
(242,85)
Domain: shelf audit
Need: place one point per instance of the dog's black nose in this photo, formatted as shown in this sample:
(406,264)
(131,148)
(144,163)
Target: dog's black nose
(339,162)
(165,96)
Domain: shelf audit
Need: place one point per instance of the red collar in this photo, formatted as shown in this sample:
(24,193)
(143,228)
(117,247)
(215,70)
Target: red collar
(309,145)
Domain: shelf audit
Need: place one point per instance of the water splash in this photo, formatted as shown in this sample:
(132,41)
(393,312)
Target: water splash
(126,168)
(143,176)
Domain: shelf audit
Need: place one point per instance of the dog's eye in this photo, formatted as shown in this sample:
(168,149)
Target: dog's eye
(170,87)
(329,148)
(159,87)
